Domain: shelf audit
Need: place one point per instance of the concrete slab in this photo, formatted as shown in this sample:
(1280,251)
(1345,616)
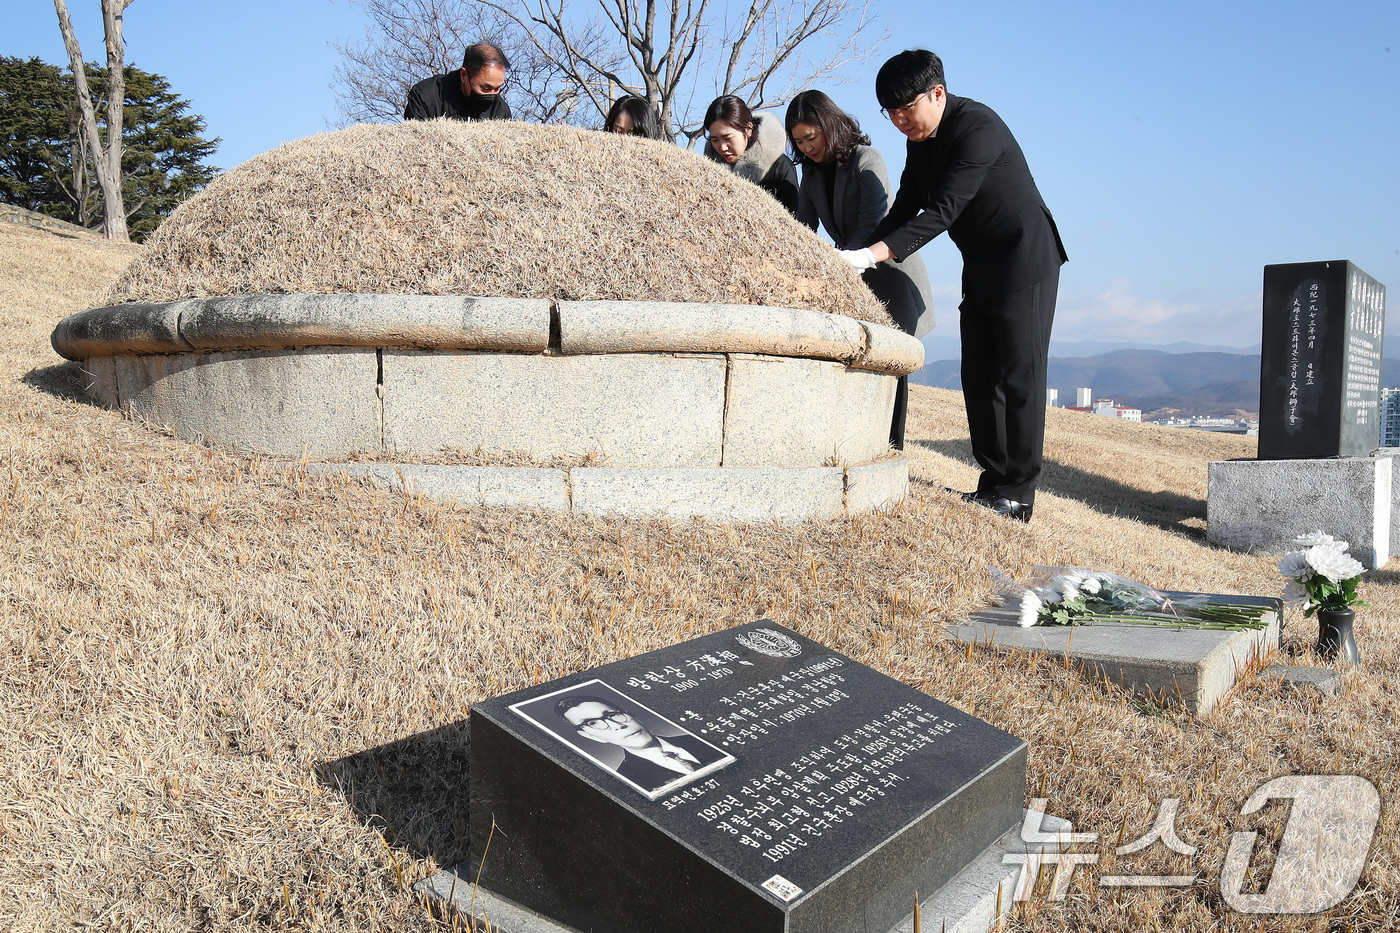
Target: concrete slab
(973,902)
(631,410)
(1262,505)
(503,487)
(322,402)
(733,495)
(1191,667)
(785,412)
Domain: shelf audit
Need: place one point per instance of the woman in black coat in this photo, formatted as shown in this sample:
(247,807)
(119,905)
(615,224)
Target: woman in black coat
(753,146)
(846,188)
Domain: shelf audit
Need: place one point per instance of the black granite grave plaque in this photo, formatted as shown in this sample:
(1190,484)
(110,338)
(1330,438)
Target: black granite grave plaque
(793,790)
(1320,375)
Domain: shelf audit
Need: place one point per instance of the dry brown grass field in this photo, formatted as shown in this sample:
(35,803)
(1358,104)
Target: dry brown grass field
(234,697)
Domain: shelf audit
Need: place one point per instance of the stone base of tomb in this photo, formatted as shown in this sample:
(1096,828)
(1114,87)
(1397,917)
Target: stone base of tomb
(724,411)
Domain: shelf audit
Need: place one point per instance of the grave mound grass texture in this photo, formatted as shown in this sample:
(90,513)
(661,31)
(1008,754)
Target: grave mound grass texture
(492,209)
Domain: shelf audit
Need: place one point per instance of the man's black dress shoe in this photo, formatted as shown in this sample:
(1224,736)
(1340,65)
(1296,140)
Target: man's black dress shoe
(969,496)
(1009,507)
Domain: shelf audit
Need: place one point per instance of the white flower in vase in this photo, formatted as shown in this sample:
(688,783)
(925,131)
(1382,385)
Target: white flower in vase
(1333,562)
(1314,538)
(1294,564)
(1030,608)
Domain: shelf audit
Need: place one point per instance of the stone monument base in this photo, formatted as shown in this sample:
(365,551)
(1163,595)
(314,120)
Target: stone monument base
(974,901)
(1262,505)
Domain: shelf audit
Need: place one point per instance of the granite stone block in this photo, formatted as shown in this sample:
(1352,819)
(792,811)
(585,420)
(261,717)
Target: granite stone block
(784,412)
(502,487)
(728,494)
(660,326)
(890,350)
(628,410)
(429,321)
(99,374)
(125,329)
(321,402)
(882,485)
(1262,505)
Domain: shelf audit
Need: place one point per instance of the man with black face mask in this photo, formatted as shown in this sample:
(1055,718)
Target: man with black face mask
(472,93)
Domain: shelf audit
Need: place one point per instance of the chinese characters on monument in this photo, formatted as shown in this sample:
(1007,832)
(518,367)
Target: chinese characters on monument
(1320,376)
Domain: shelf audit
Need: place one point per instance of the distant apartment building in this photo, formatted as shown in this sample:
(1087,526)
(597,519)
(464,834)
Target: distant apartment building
(1052,398)
(1105,406)
(1390,417)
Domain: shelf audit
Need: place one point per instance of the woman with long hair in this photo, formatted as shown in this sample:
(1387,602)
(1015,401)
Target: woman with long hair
(631,115)
(752,145)
(845,187)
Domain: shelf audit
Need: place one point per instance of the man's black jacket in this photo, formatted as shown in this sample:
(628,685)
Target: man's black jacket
(441,96)
(971,180)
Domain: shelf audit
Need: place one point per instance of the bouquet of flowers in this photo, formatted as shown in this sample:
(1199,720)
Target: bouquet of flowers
(1321,575)
(1075,596)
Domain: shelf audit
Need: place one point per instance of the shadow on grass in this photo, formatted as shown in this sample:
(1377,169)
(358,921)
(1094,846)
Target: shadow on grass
(1171,511)
(65,380)
(413,791)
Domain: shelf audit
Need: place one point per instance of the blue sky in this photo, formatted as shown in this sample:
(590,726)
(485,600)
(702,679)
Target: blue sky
(1181,146)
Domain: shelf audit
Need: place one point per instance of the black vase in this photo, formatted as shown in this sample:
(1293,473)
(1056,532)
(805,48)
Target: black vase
(1334,635)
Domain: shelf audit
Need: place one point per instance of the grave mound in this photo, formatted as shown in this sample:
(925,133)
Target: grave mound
(515,315)
(499,208)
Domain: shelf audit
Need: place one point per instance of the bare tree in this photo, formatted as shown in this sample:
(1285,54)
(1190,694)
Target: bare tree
(408,40)
(107,160)
(676,53)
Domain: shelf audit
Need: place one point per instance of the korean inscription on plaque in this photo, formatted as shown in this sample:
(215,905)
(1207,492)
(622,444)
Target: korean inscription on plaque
(751,779)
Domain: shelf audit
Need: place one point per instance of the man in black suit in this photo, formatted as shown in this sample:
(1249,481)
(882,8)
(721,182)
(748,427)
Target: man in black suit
(649,761)
(965,173)
(473,92)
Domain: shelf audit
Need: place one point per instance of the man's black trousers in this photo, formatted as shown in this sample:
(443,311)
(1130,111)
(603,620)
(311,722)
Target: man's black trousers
(1005,349)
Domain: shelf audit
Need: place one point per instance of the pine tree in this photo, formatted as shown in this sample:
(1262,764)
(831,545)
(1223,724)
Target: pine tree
(34,135)
(45,163)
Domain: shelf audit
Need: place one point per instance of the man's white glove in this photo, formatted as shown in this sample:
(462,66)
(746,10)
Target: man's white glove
(860,259)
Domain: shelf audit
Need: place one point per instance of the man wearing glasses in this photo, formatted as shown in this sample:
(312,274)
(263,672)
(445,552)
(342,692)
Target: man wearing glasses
(964,173)
(649,761)
(471,93)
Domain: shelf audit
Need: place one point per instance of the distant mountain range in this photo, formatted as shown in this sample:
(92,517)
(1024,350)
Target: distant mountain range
(1160,382)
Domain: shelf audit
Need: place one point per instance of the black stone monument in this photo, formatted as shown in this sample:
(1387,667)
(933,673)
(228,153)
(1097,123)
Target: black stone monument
(1320,373)
(792,791)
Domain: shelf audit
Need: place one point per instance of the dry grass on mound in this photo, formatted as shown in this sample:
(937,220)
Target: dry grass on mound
(234,698)
(498,208)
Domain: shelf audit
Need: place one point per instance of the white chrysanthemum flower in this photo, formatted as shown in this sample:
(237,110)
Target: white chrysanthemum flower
(1295,593)
(1030,608)
(1091,585)
(1068,590)
(1314,538)
(1294,565)
(1333,562)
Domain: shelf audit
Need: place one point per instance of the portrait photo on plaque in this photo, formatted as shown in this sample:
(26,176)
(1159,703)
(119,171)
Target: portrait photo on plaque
(652,754)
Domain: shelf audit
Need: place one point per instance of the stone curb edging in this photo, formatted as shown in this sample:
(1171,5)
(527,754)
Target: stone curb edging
(278,322)
(721,494)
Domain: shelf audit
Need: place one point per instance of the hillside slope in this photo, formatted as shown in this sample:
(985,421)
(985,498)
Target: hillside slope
(235,696)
